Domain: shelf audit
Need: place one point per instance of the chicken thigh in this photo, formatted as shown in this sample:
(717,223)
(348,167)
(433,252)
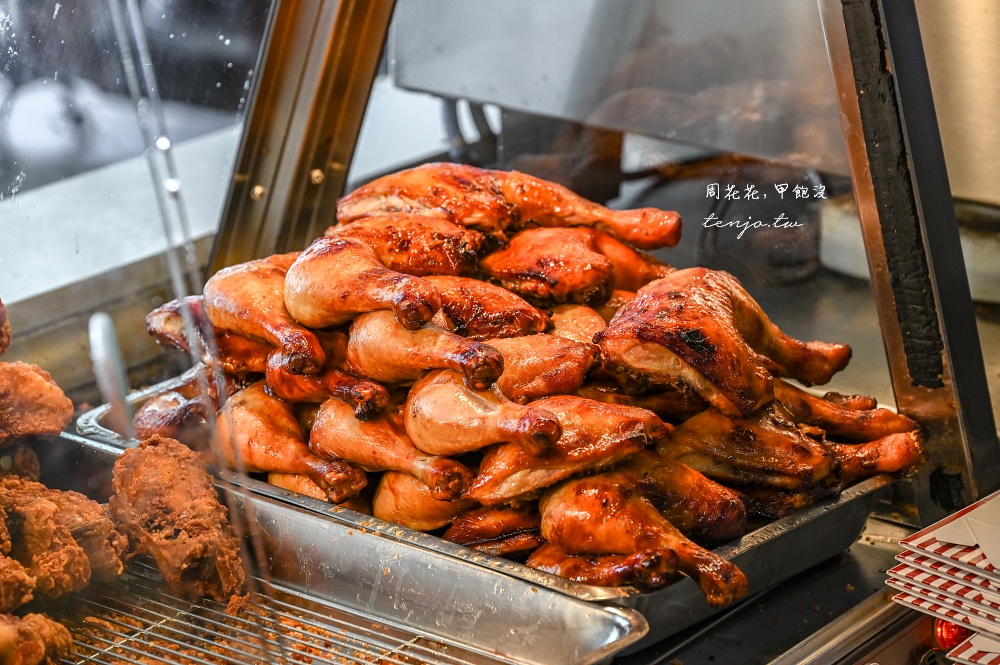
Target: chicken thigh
(31,402)
(404,500)
(381,445)
(700,327)
(416,244)
(576,322)
(594,436)
(537,366)
(650,569)
(444,417)
(498,530)
(383,350)
(337,278)
(838,419)
(248,299)
(583,266)
(480,311)
(500,202)
(260,433)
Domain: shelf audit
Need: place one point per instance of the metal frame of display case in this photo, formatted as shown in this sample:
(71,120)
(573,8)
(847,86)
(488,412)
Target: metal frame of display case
(312,91)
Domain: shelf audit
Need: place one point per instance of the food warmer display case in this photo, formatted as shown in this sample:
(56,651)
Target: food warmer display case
(800,145)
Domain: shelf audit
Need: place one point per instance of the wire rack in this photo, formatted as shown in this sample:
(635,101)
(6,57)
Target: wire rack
(136,620)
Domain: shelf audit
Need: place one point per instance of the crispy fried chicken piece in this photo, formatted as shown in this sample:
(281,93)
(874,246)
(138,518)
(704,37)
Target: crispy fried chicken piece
(30,402)
(576,322)
(336,279)
(87,522)
(262,433)
(498,530)
(838,419)
(416,244)
(18,459)
(17,585)
(167,504)
(537,366)
(41,542)
(594,436)
(33,639)
(381,445)
(249,299)
(480,311)
(444,417)
(383,350)
(583,266)
(700,327)
(4,328)
(591,516)
(500,202)
(649,569)
(404,500)
(766,448)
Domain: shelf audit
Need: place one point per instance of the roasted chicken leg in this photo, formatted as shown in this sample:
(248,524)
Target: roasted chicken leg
(592,516)
(260,433)
(548,266)
(700,327)
(381,445)
(383,350)
(498,530)
(248,299)
(500,202)
(480,311)
(840,420)
(404,500)
(416,244)
(650,569)
(537,366)
(337,278)
(444,417)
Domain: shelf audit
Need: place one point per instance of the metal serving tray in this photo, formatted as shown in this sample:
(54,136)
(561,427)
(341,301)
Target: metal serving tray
(335,592)
(768,555)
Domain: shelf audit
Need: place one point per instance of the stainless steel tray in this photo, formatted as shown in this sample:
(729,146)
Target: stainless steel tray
(334,583)
(768,555)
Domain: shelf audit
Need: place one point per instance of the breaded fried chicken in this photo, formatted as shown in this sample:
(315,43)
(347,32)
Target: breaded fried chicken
(166,503)
(30,402)
(33,639)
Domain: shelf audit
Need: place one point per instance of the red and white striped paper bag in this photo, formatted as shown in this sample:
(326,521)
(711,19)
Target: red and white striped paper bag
(978,649)
(904,574)
(946,568)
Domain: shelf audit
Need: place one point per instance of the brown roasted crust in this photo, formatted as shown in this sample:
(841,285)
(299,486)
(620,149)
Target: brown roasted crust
(31,402)
(167,504)
(650,569)
(481,311)
(537,366)
(416,244)
(33,639)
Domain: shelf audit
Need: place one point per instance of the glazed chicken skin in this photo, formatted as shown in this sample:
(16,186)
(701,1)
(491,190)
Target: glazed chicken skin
(404,500)
(366,397)
(86,521)
(538,366)
(619,298)
(591,516)
(30,402)
(248,300)
(582,266)
(594,436)
(700,327)
(480,311)
(499,203)
(259,433)
(444,417)
(380,348)
(337,278)
(674,404)
(840,419)
(766,448)
(649,569)
(381,445)
(41,543)
(576,322)
(166,503)
(33,639)
(416,244)
(498,530)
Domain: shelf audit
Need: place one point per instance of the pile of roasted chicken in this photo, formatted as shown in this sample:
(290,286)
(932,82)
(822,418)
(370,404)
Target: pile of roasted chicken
(487,356)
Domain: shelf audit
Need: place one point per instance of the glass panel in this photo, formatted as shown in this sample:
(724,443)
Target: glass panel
(76,200)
